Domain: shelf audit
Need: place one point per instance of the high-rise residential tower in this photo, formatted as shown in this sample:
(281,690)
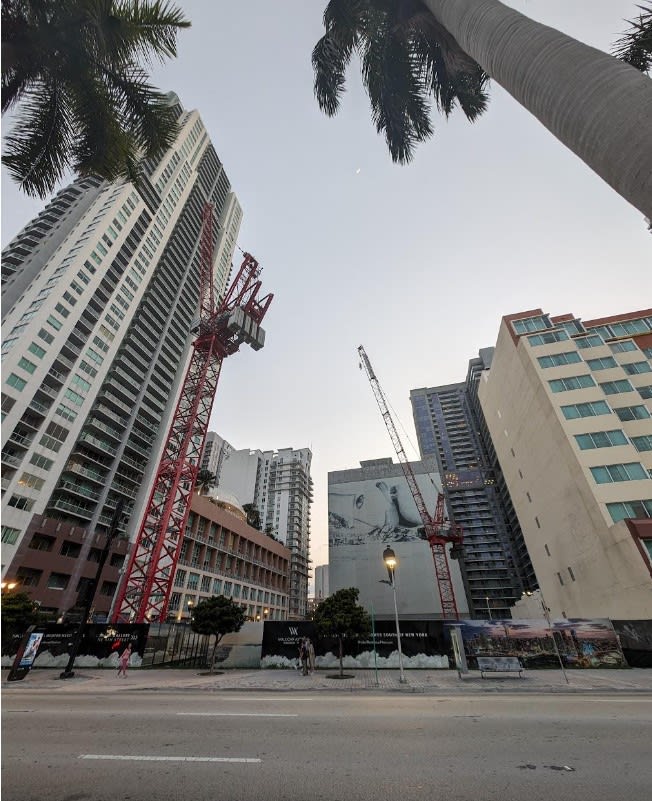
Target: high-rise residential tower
(99,296)
(568,404)
(450,426)
(279,486)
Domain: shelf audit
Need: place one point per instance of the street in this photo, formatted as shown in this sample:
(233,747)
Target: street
(239,746)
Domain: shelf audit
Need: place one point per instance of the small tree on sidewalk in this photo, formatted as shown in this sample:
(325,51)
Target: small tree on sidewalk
(218,616)
(341,616)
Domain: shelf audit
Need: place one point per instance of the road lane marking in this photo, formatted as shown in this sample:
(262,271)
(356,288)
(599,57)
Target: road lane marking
(239,714)
(142,758)
(255,698)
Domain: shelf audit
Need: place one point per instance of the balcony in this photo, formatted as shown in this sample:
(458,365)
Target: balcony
(82,471)
(21,440)
(11,459)
(73,508)
(41,408)
(100,444)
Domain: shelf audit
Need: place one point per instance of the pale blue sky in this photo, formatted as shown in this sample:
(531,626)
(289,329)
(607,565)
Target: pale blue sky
(417,263)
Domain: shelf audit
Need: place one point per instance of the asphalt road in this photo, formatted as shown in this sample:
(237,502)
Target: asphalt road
(205,746)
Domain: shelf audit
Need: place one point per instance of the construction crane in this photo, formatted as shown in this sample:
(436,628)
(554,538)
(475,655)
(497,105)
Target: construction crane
(144,594)
(438,531)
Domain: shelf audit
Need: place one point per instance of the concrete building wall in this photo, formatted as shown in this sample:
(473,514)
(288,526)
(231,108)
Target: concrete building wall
(321,583)
(370,508)
(587,561)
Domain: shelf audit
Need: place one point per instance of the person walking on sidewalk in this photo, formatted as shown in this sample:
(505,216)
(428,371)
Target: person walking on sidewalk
(123,662)
(303,656)
(311,656)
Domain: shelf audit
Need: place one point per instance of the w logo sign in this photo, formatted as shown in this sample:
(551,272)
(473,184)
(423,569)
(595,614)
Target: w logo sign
(294,631)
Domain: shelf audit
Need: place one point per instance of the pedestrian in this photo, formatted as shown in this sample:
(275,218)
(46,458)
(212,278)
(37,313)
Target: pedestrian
(123,662)
(311,656)
(303,656)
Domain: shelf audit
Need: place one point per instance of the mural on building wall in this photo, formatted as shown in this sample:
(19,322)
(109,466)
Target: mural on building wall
(580,643)
(376,510)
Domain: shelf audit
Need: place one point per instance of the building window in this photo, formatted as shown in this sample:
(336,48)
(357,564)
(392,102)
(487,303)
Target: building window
(217,586)
(609,473)
(205,584)
(58,581)
(590,341)
(530,324)
(547,549)
(16,382)
(626,413)
(117,560)
(616,387)
(603,363)
(28,576)
(536,520)
(558,359)
(31,481)
(572,382)
(643,443)
(56,324)
(60,309)
(71,549)
(561,580)
(108,588)
(645,392)
(193,581)
(529,497)
(637,367)
(41,542)
(600,439)
(20,502)
(37,350)
(624,346)
(66,412)
(9,534)
(592,409)
(630,510)
(571,574)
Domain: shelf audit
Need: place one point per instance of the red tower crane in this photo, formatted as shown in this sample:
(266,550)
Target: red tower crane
(439,532)
(145,591)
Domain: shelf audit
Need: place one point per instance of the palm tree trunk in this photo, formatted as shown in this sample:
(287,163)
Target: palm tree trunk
(212,667)
(598,106)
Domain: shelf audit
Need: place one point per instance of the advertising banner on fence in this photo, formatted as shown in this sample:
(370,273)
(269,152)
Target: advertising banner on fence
(49,645)
(581,643)
(423,643)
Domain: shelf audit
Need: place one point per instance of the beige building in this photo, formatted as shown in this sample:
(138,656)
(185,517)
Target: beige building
(568,405)
(222,555)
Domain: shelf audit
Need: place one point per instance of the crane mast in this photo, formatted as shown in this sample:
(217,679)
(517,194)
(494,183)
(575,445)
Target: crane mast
(145,592)
(439,532)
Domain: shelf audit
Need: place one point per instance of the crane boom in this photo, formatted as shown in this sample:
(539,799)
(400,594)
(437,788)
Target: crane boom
(145,591)
(435,526)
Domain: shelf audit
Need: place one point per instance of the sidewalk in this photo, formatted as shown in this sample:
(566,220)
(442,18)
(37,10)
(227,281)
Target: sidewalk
(434,682)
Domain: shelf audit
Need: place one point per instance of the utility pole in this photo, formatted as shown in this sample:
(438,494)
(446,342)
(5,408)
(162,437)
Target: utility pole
(69,673)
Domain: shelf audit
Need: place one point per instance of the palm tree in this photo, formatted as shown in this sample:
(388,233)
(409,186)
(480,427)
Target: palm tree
(71,70)
(204,481)
(412,50)
(635,47)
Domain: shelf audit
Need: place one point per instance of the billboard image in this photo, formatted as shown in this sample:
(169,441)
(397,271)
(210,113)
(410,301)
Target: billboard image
(371,508)
(580,643)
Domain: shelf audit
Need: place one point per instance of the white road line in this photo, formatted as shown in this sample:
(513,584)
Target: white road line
(256,698)
(238,714)
(624,700)
(137,758)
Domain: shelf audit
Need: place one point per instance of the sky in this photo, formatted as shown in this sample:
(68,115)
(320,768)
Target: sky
(418,263)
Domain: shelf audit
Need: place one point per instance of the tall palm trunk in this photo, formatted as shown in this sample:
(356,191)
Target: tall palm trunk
(599,107)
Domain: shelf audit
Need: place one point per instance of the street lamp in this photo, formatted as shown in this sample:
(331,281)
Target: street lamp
(389,558)
(8,586)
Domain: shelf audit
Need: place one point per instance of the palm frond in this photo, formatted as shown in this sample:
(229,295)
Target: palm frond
(143,30)
(407,57)
(36,151)
(635,47)
(394,81)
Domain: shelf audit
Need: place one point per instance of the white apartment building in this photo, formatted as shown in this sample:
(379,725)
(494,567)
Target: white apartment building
(321,583)
(279,485)
(215,450)
(569,408)
(99,294)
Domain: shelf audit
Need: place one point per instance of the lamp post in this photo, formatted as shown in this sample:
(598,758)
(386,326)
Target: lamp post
(389,558)
(488,607)
(546,611)
(8,586)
